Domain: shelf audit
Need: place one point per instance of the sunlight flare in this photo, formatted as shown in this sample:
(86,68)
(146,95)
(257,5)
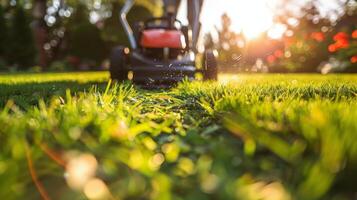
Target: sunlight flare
(250,17)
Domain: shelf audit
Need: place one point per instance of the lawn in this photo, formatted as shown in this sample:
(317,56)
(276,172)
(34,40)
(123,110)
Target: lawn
(249,137)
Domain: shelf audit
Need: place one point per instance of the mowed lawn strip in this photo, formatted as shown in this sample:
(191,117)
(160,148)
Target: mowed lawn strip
(27,89)
(252,137)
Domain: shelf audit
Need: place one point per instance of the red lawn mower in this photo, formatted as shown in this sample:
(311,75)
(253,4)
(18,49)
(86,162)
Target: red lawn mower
(162,50)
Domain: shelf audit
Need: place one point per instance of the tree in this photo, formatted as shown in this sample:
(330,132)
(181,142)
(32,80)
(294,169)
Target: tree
(84,39)
(40,30)
(3,33)
(3,39)
(230,44)
(21,49)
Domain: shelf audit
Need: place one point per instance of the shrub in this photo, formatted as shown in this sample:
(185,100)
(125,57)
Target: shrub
(60,66)
(344,49)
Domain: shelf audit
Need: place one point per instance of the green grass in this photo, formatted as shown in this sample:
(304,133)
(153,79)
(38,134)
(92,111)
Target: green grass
(27,89)
(255,137)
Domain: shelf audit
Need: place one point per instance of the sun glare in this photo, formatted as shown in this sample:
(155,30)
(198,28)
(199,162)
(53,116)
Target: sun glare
(250,17)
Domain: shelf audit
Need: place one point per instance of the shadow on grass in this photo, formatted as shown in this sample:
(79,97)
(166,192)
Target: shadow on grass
(28,94)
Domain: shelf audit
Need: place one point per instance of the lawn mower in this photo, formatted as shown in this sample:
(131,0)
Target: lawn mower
(162,50)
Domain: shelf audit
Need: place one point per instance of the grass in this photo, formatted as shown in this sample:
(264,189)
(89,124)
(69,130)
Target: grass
(74,136)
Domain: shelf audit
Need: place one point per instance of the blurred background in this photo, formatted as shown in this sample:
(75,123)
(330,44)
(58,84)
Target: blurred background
(316,36)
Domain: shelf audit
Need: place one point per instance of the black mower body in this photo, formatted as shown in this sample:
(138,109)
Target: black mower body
(146,70)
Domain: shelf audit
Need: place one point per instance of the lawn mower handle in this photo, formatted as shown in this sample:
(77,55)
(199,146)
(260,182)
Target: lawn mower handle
(128,30)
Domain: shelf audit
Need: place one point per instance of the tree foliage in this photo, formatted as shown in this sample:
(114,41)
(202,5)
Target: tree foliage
(84,38)
(3,32)
(230,44)
(63,28)
(20,49)
(307,45)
